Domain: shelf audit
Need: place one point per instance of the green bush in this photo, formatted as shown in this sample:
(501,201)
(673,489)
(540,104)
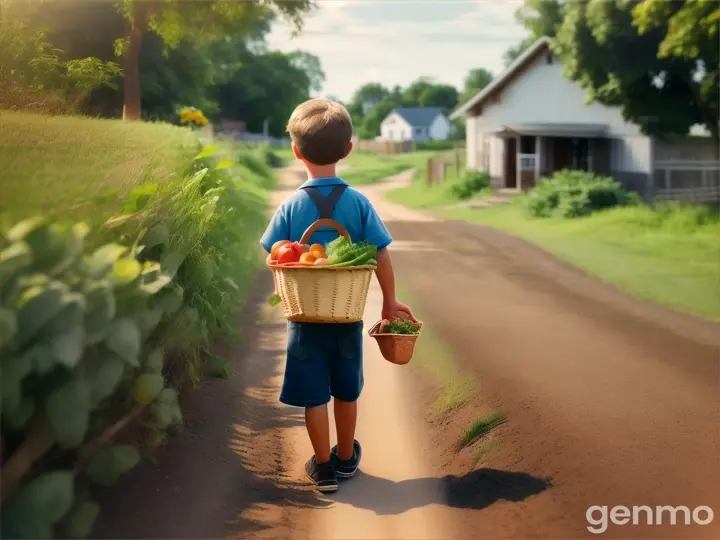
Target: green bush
(570,194)
(470,183)
(89,323)
(436,145)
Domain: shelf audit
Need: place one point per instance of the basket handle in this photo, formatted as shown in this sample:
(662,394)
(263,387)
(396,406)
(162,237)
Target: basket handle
(324,223)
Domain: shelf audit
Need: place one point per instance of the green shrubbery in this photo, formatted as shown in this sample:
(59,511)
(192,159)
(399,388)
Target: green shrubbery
(436,145)
(469,184)
(90,320)
(571,194)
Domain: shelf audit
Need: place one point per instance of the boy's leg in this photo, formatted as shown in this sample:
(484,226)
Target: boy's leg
(346,384)
(345,422)
(318,428)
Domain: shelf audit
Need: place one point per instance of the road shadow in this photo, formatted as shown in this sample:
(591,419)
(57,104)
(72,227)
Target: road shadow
(475,491)
(226,461)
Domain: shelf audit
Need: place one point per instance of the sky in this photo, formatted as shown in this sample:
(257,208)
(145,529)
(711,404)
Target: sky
(396,41)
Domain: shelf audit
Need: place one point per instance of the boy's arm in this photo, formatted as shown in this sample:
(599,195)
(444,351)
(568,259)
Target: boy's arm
(376,233)
(277,229)
(392,308)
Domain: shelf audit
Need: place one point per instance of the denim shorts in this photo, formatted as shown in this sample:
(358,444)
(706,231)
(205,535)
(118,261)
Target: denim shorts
(323,360)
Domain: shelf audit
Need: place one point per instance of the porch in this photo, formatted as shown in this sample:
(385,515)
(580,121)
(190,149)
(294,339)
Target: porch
(533,151)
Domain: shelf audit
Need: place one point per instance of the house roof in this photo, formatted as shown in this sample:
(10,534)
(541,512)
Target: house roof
(500,82)
(554,130)
(418,116)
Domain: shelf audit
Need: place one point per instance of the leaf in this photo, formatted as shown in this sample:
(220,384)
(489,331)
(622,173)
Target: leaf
(124,340)
(25,227)
(155,236)
(219,368)
(40,357)
(14,370)
(17,417)
(72,248)
(68,348)
(124,272)
(102,260)
(37,506)
(99,312)
(224,165)
(274,299)
(105,377)
(68,411)
(8,326)
(13,259)
(155,360)
(171,263)
(147,387)
(108,464)
(206,152)
(157,285)
(37,306)
(139,198)
(148,320)
(163,414)
(172,301)
(81,519)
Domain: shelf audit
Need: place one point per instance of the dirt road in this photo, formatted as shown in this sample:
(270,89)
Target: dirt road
(610,402)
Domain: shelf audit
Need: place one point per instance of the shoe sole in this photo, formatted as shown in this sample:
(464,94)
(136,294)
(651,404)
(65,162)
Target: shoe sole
(322,489)
(346,474)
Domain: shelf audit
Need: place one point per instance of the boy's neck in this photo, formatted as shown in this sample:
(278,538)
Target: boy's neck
(320,171)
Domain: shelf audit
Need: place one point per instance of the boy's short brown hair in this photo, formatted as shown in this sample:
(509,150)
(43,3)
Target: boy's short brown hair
(321,130)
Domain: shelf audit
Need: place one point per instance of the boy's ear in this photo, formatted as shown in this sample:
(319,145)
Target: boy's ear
(349,149)
(296,151)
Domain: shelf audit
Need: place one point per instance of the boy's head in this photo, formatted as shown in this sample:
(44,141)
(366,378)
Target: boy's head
(320,131)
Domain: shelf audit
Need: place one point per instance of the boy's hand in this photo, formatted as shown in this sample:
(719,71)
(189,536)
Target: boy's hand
(396,310)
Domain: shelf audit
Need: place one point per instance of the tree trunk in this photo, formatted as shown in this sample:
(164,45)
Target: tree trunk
(131,63)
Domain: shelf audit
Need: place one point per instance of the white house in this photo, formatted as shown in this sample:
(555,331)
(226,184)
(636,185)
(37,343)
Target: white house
(415,124)
(531,121)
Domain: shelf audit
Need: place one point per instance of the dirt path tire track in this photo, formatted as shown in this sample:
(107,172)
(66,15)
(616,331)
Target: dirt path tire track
(616,400)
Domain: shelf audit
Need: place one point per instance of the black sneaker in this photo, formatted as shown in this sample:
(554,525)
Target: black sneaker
(322,475)
(346,468)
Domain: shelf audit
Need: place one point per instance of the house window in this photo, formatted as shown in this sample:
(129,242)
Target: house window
(549,58)
(527,145)
(390,135)
(418,131)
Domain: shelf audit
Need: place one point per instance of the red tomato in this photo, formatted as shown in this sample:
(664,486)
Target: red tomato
(276,246)
(299,248)
(287,254)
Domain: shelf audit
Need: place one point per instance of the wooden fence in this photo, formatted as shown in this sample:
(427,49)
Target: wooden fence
(448,164)
(692,181)
(384,147)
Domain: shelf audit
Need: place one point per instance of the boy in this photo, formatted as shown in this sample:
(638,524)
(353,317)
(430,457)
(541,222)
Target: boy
(325,360)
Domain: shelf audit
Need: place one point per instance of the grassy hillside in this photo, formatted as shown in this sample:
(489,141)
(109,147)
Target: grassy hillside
(66,165)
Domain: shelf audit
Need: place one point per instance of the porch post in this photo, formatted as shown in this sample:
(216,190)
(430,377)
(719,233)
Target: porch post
(518,165)
(538,156)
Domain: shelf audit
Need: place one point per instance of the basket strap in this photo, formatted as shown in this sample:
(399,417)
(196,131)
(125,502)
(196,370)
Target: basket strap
(326,205)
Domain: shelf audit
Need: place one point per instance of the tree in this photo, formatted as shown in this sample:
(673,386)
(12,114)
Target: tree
(425,93)
(310,64)
(618,51)
(476,80)
(196,22)
(540,18)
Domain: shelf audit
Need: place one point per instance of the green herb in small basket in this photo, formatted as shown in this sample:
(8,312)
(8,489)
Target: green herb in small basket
(274,299)
(402,326)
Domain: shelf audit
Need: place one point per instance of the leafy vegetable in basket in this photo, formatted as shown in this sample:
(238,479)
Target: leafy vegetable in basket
(401,326)
(342,252)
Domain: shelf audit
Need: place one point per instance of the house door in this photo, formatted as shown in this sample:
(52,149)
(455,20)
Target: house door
(561,153)
(511,163)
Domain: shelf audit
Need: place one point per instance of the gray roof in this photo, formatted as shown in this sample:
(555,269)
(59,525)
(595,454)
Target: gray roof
(554,130)
(418,116)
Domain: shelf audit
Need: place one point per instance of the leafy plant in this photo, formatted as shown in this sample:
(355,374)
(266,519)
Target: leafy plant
(402,326)
(471,183)
(570,194)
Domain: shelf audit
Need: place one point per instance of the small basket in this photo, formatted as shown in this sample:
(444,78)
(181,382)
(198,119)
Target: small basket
(323,294)
(395,348)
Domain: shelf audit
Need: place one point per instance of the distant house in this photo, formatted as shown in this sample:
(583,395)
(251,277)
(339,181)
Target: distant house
(415,124)
(531,121)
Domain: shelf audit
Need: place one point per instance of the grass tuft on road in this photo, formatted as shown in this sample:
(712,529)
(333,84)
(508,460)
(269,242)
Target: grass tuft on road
(481,427)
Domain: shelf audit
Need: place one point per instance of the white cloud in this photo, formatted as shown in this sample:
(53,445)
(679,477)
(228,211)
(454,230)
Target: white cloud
(359,41)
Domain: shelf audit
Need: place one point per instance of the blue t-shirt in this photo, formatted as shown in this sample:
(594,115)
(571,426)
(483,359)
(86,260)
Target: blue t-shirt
(353,211)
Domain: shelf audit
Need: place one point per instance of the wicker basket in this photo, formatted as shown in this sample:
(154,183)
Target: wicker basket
(323,294)
(395,348)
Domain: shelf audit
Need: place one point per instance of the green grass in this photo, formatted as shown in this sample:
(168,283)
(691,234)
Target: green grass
(481,427)
(668,256)
(71,166)
(420,195)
